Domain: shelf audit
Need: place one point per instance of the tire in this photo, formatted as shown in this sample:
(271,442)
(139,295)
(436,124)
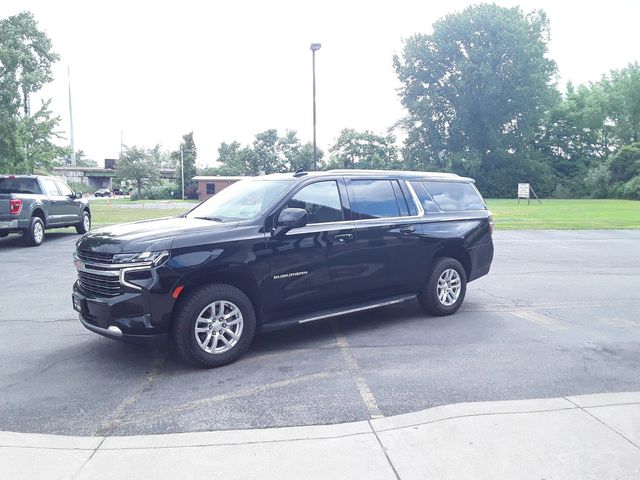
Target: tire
(85,224)
(34,235)
(194,312)
(3,234)
(431,296)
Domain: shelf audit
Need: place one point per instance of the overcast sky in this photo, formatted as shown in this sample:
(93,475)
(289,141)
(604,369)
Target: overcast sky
(156,70)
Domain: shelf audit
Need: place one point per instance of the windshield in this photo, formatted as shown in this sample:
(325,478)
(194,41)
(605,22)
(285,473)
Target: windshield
(240,201)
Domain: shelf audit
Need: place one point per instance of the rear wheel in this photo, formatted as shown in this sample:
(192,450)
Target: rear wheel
(214,325)
(446,287)
(34,234)
(85,225)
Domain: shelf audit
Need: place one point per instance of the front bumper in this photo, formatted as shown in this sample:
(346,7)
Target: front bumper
(130,317)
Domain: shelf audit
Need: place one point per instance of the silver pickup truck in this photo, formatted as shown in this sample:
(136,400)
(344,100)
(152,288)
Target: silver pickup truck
(29,204)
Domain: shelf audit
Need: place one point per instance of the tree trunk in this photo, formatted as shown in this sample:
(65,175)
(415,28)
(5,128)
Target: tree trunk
(139,182)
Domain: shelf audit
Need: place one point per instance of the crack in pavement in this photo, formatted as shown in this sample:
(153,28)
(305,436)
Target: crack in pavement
(41,371)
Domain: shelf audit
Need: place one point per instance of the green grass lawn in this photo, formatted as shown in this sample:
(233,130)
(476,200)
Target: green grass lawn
(565,214)
(127,201)
(508,215)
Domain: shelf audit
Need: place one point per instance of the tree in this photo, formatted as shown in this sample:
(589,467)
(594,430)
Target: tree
(139,165)
(189,154)
(363,150)
(295,155)
(269,153)
(26,58)
(477,87)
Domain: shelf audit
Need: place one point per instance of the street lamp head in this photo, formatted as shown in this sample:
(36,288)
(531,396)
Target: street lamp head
(315,46)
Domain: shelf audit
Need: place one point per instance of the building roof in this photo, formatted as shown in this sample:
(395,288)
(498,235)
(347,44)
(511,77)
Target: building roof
(223,178)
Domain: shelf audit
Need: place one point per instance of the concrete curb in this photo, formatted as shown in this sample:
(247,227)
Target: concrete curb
(588,436)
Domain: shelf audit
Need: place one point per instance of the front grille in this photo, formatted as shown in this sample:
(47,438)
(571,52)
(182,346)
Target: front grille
(107,286)
(95,257)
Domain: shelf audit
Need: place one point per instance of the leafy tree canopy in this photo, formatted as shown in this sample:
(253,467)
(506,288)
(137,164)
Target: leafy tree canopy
(479,85)
(139,165)
(26,57)
(364,150)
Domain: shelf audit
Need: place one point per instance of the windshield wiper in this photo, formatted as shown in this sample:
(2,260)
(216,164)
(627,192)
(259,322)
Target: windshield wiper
(213,219)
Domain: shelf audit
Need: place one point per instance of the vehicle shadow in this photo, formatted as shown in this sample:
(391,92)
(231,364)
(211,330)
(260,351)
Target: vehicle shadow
(15,240)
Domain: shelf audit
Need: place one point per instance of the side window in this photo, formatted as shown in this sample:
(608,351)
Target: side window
(64,188)
(321,200)
(455,196)
(372,199)
(50,186)
(425,199)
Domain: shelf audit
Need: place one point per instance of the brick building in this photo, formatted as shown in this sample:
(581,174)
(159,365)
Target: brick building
(208,186)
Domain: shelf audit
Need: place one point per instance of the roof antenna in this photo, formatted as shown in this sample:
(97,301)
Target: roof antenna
(300,172)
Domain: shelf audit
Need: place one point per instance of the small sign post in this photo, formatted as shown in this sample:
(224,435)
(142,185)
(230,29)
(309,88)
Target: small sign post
(524,191)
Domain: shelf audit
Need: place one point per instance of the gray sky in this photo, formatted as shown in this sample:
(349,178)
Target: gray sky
(156,70)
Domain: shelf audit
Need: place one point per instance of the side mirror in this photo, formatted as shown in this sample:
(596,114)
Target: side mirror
(293,218)
(77,195)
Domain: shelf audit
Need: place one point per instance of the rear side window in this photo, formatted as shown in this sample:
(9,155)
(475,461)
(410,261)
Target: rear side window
(19,185)
(321,200)
(372,199)
(428,205)
(454,196)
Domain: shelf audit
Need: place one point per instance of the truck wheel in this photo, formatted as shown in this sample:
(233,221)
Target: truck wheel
(213,325)
(85,225)
(34,234)
(446,287)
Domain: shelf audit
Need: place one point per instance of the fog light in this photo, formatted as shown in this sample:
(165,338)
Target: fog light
(114,329)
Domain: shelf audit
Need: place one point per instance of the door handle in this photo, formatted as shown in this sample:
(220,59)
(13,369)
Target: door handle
(407,230)
(344,237)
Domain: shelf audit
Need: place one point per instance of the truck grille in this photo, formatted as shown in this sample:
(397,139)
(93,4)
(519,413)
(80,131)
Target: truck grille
(95,257)
(107,286)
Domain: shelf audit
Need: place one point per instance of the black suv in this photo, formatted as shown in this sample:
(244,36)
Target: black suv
(280,250)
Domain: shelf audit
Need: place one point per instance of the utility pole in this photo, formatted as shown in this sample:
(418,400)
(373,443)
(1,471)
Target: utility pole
(182,169)
(73,145)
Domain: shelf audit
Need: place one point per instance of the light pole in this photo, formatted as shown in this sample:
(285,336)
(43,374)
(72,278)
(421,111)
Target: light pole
(182,169)
(314,48)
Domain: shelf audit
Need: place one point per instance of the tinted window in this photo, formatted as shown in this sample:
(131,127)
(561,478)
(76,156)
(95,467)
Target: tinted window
(372,199)
(50,186)
(321,200)
(64,188)
(454,196)
(19,185)
(428,205)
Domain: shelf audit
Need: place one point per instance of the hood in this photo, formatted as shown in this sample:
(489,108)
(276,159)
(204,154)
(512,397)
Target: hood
(149,235)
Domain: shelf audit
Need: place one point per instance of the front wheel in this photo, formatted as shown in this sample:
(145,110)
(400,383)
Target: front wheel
(85,225)
(34,234)
(446,287)
(213,325)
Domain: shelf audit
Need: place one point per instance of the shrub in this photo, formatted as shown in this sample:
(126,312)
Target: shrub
(597,181)
(161,191)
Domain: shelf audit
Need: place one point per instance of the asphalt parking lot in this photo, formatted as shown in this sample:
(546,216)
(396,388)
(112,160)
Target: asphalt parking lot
(558,315)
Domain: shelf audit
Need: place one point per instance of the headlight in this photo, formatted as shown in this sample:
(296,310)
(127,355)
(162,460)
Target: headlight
(152,258)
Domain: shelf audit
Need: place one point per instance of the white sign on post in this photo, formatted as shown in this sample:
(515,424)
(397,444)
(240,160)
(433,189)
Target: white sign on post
(524,190)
